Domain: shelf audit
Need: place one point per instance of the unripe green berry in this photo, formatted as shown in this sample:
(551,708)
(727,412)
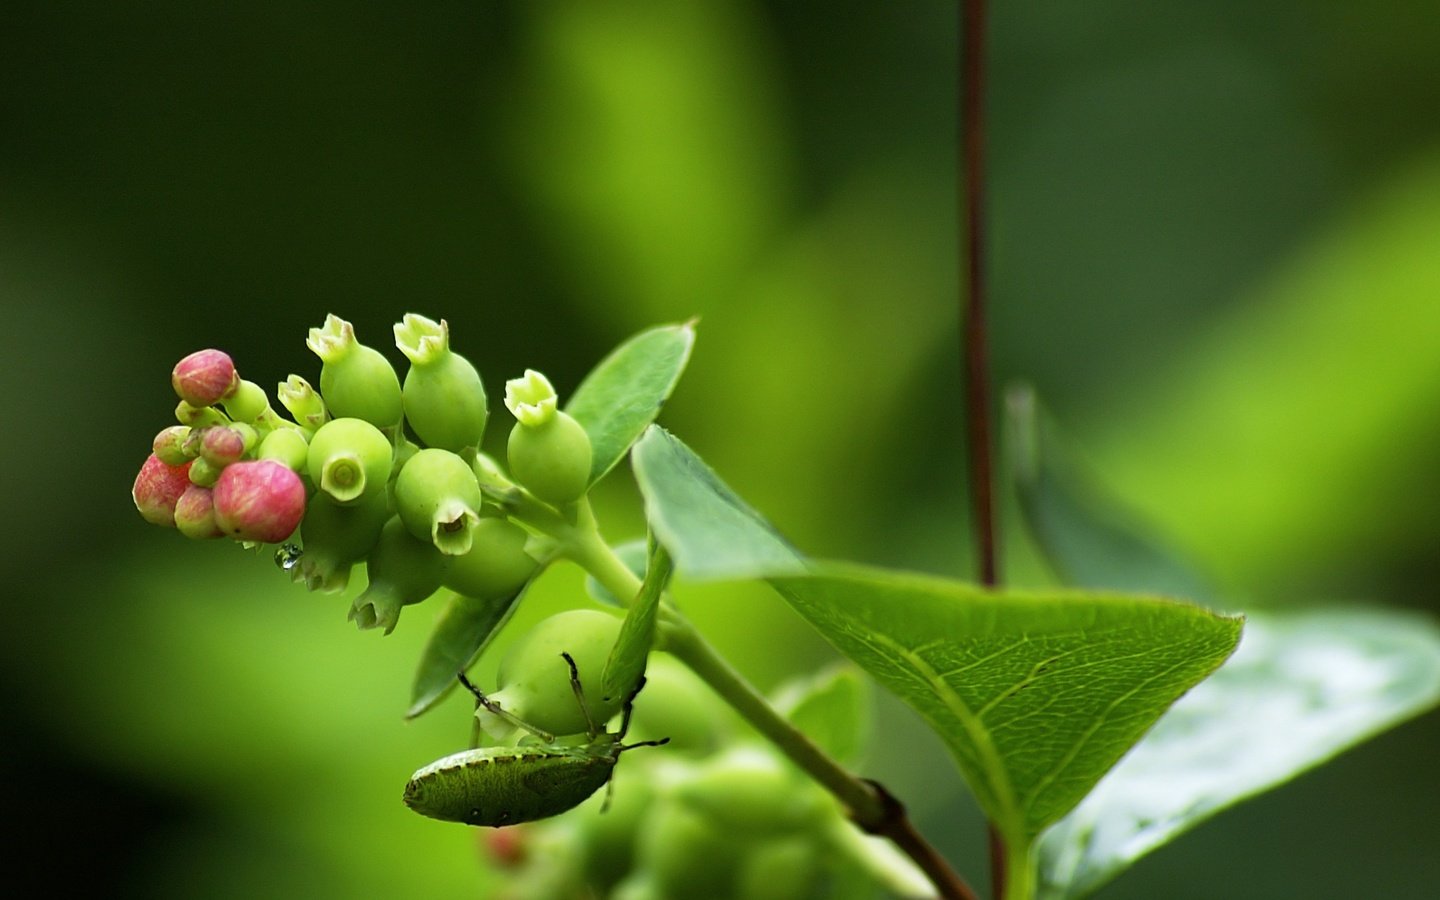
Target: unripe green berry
(750,790)
(684,854)
(679,706)
(286,446)
(349,459)
(443,395)
(780,869)
(549,452)
(534,679)
(497,564)
(336,538)
(438,500)
(204,473)
(247,403)
(357,381)
(402,571)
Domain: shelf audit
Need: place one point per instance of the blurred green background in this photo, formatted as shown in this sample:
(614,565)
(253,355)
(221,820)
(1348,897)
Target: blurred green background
(1216,253)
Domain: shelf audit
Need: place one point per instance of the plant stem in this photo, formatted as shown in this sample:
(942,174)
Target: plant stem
(971,71)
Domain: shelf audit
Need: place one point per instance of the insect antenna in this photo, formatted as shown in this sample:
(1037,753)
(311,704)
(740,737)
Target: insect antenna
(500,713)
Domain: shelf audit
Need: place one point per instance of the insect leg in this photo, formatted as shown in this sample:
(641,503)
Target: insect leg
(590,728)
(496,710)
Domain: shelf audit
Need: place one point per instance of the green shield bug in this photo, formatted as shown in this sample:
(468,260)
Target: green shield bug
(498,786)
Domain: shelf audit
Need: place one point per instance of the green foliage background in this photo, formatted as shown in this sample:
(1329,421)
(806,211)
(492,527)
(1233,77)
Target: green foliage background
(1215,255)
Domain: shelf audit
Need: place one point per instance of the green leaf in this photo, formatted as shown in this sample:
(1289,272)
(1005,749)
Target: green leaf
(1037,695)
(1302,688)
(626,665)
(711,532)
(461,632)
(624,393)
(1084,537)
(832,708)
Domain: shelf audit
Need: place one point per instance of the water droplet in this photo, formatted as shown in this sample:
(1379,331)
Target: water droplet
(288,556)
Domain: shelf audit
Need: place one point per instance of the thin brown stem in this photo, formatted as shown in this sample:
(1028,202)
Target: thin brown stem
(977,379)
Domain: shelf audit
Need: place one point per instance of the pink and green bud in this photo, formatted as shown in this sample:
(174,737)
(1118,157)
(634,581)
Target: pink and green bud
(350,459)
(170,445)
(195,514)
(259,500)
(302,401)
(402,571)
(549,452)
(336,538)
(158,487)
(443,395)
(357,381)
(287,446)
(438,499)
(497,564)
(204,378)
(222,445)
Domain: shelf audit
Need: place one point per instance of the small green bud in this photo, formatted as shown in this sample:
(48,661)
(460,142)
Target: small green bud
(337,537)
(402,571)
(443,395)
(247,403)
(438,499)
(204,473)
(357,381)
(349,459)
(497,564)
(170,445)
(302,401)
(489,474)
(287,446)
(549,452)
(199,416)
(534,679)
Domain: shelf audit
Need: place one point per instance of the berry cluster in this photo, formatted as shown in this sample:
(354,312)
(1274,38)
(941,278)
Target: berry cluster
(366,469)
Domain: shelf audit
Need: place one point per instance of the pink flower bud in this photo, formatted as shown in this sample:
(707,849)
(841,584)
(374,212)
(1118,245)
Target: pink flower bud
(204,377)
(157,489)
(259,500)
(221,446)
(195,514)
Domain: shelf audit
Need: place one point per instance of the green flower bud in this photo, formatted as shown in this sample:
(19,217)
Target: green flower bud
(248,402)
(199,416)
(349,459)
(438,499)
(204,473)
(195,514)
(444,398)
(497,564)
(357,381)
(287,446)
(489,474)
(534,679)
(305,405)
(170,445)
(402,571)
(337,537)
(549,451)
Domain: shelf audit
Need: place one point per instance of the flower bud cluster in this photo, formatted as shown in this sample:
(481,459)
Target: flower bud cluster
(368,468)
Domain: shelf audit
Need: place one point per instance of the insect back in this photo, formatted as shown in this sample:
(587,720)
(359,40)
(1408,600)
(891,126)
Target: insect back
(498,786)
